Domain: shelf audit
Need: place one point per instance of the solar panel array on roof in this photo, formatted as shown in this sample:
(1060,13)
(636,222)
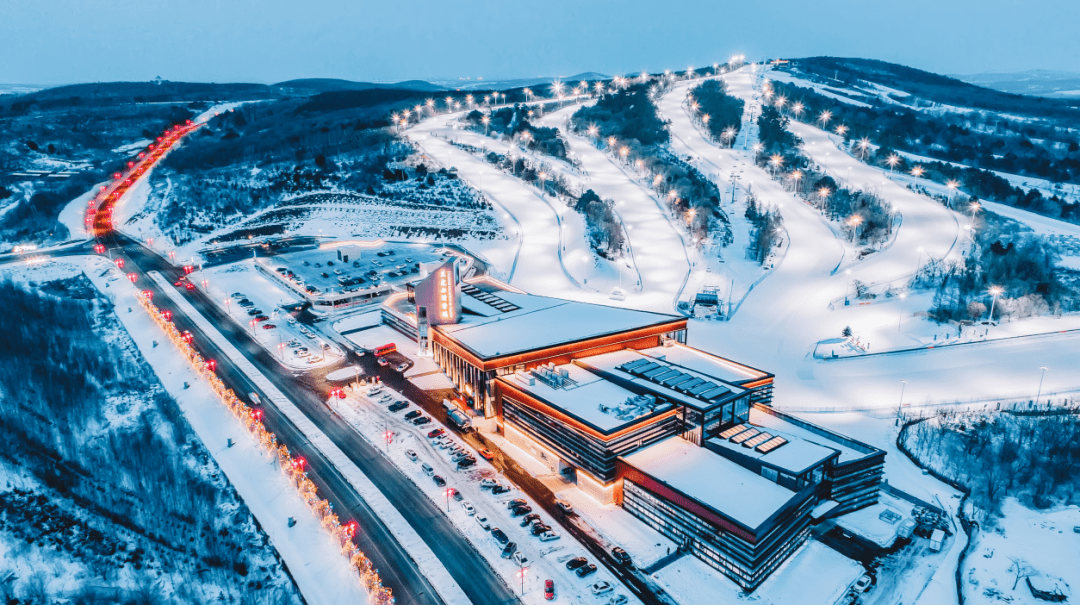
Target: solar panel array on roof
(735,430)
(771,444)
(489,299)
(674,379)
(743,436)
(756,440)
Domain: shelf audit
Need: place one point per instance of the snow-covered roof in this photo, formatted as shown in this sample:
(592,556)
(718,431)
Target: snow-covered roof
(712,480)
(794,457)
(700,361)
(709,390)
(597,402)
(539,322)
(793,432)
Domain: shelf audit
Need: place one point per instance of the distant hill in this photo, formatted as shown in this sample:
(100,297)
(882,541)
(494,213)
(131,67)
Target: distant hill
(157,91)
(308,86)
(1035,82)
(507,84)
(842,72)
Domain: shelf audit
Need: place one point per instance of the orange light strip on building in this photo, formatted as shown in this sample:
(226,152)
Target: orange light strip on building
(727,363)
(487,279)
(573,350)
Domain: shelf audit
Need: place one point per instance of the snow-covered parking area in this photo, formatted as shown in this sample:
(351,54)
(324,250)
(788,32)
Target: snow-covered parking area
(546,560)
(294,345)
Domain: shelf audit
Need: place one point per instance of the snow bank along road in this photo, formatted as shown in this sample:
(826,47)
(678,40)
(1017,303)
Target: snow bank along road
(385,545)
(787,313)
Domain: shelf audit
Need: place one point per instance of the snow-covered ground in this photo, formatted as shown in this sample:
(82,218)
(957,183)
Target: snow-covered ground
(322,574)
(1039,542)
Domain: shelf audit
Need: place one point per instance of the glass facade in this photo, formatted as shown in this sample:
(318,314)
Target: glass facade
(579,448)
(747,563)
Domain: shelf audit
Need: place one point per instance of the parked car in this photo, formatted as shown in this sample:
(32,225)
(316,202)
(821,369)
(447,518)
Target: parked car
(576,562)
(457,495)
(439,480)
(509,550)
(540,528)
(499,489)
(548,536)
(411,455)
(468,508)
(516,502)
(488,483)
(397,407)
(413,414)
(422,421)
(466,463)
(485,454)
(521,559)
(268,326)
(483,521)
(549,590)
(564,506)
(585,570)
(528,520)
(500,536)
(863,584)
(521,510)
(622,556)
(428,469)
(618,600)
(435,433)
(601,587)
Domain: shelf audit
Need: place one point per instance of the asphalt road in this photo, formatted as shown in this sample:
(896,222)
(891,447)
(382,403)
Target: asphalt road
(462,561)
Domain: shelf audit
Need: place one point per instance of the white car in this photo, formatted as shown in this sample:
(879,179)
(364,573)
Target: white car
(601,587)
(548,536)
(618,600)
(469,510)
(863,584)
(411,455)
(521,559)
(483,521)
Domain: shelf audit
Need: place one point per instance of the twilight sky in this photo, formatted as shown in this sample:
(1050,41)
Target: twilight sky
(66,41)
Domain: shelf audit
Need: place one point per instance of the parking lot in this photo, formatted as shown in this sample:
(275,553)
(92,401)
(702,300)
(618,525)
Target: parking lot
(349,275)
(483,505)
(256,304)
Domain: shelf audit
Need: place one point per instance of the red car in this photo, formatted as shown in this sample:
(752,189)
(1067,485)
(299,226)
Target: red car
(549,589)
(268,326)
(486,453)
(190,286)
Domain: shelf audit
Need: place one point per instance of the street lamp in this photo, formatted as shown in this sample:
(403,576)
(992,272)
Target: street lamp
(900,406)
(1043,375)
(953,186)
(974,207)
(855,221)
(892,161)
(447,492)
(903,295)
(521,574)
(995,291)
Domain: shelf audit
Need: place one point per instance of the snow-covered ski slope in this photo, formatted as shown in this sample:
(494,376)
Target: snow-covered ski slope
(788,312)
(658,246)
(550,256)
